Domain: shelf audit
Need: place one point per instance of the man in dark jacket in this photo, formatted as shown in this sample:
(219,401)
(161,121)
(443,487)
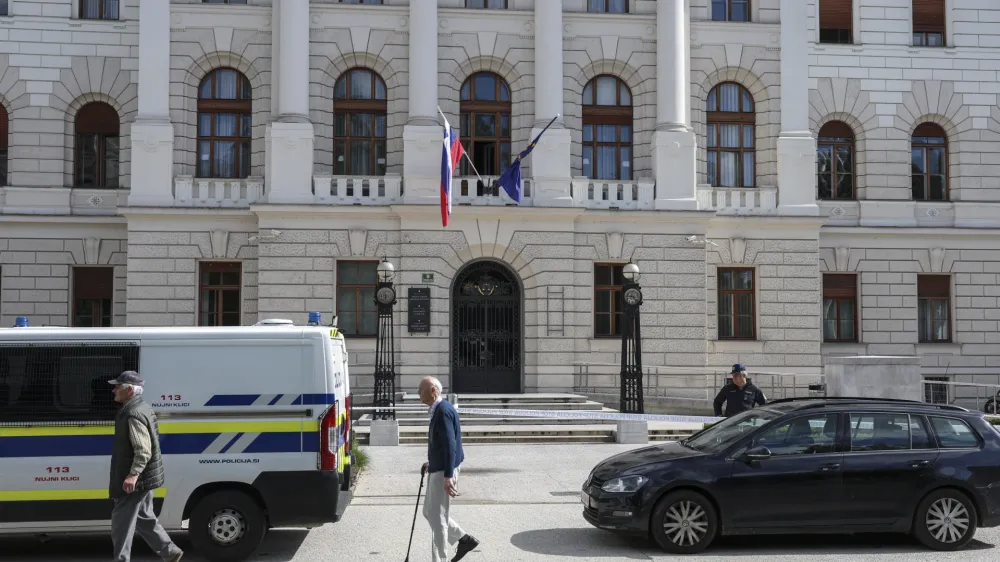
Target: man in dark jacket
(136,473)
(444,457)
(739,395)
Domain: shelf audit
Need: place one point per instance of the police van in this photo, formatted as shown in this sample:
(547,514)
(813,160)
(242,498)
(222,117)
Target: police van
(254,426)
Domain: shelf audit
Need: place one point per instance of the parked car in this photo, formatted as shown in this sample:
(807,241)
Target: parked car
(830,465)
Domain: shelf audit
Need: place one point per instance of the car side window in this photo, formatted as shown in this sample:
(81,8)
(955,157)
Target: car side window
(920,437)
(880,432)
(954,433)
(806,435)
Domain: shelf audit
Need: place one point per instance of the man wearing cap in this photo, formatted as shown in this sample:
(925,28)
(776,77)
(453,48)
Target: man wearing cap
(739,395)
(136,472)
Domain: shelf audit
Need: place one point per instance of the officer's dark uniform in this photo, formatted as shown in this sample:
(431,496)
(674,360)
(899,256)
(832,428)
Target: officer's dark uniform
(738,399)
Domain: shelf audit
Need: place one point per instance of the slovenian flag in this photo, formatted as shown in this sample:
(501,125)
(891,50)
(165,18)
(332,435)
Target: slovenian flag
(451,153)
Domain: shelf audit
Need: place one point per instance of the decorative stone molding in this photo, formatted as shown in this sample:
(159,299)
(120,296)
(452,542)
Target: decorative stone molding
(842,257)
(358,238)
(737,249)
(220,241)
(937,259)
(91,250)
(616,241)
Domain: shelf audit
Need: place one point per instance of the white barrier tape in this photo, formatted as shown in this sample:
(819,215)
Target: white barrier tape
(563,414)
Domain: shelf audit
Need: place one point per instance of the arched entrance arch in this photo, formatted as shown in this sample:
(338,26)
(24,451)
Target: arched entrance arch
(486,329)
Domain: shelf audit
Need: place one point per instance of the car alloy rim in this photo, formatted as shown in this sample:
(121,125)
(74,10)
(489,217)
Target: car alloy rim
(685,523)
(227,526)
(947,520)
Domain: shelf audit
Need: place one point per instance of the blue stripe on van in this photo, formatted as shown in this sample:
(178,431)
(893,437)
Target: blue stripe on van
(232,400)
(275,400)
(170,444)
(315,400)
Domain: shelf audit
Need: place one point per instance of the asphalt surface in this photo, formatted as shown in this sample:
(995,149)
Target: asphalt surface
(522,502)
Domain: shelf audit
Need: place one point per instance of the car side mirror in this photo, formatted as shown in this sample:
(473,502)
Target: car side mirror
(756,454)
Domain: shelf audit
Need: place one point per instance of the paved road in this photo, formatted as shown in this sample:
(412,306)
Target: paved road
(519,513)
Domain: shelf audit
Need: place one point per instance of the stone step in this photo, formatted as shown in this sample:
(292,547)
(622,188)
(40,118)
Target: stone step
(521,440)
(422,421)
(420,409)
(484,430)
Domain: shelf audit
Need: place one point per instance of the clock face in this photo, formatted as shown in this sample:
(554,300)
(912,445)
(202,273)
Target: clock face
(385,295)
(633,297)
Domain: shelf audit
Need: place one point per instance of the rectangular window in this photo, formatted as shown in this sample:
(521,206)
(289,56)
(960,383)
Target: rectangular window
(836,18)
(607,6)
(928,23)
(490,4)
(3,146)
(357,314)
(730,10)
(223,1)
(62,383)
(4,8)
(737,312)
(933,306)
(219,286)
(935,393)
(98,9)
(884,432)
(608,304)
(359,2)
(93,296)
(840,305)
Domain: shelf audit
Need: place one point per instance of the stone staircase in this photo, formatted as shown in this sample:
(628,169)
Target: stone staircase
(481,429)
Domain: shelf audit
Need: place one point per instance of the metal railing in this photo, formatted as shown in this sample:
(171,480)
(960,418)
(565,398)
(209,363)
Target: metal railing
(972,396)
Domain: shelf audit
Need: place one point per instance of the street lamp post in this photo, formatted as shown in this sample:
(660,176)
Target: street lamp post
(385,349)
(631,373)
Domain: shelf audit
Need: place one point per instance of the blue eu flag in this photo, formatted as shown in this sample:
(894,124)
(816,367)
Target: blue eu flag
(510,180)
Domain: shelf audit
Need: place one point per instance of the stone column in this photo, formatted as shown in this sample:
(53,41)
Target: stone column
(550,164)
(152,133)
(674,147)
(423,132)
(290,145)
(796,143)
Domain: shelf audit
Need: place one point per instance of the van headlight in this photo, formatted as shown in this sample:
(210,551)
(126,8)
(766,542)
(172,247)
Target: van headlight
(625,484)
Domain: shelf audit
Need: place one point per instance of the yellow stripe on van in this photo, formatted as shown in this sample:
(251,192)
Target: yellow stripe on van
(45,495)
(168,428)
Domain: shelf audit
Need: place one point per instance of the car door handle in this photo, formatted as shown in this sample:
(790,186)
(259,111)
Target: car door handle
(829,467)
(919,464)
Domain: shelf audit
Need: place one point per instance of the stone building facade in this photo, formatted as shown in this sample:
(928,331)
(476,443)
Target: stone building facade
(185,162)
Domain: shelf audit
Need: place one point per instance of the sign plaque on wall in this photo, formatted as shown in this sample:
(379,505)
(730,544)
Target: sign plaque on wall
(419,309)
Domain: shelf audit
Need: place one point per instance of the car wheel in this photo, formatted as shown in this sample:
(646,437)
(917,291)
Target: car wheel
(227,526)
(684,522)
(945,520)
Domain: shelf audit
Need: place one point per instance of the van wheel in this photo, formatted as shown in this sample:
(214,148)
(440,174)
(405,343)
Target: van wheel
(227,526)
(684,522)
(945,520)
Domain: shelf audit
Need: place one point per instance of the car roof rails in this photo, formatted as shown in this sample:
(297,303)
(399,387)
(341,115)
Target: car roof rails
(825,400)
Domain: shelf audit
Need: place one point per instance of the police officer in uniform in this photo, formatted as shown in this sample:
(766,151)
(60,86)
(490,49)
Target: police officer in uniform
(739,395)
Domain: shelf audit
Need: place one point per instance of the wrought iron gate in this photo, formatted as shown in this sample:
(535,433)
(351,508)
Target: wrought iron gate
(486,330)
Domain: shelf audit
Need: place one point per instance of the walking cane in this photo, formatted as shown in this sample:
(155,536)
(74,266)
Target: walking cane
(414,526)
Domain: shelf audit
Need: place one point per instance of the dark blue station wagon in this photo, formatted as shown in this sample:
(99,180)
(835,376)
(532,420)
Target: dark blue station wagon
(831,465)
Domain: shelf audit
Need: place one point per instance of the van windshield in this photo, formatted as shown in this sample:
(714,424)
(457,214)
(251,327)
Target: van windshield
(726,432)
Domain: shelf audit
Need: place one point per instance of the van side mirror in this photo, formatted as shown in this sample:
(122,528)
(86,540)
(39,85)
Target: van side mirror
(756,454)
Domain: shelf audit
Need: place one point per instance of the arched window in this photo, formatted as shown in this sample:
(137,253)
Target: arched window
(3,146)
(835,161)
(929,159)
(731,136)
(224,118)
(485,126)
(359,124)
(607,129)
(97,143)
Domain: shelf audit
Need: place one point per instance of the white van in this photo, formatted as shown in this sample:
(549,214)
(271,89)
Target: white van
(254,428)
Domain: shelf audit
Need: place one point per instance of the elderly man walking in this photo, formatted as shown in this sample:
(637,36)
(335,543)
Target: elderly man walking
(444,457)
(136,472)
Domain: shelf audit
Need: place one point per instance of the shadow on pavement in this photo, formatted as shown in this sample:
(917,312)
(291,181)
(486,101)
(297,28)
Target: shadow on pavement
(583,543)
(824,544)
(594,543)
(279,546)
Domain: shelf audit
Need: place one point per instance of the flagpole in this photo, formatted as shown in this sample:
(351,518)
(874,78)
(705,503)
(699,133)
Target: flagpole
(464,153)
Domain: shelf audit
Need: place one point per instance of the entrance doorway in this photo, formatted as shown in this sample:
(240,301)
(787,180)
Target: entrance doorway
(486,330)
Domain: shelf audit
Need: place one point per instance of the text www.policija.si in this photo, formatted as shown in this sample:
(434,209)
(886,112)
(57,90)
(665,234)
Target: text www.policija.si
(228,461)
